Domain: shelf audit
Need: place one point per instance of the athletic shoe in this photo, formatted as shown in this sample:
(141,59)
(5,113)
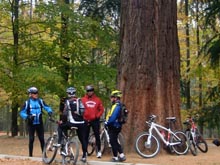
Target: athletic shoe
(114,159)
(121,159)
(83,159)
(99,155)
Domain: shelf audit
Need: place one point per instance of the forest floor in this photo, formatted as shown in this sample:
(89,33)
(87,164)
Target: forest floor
(19,146)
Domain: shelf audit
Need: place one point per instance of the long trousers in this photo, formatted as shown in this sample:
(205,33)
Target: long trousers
(39,128)
(95,124)
(113,135)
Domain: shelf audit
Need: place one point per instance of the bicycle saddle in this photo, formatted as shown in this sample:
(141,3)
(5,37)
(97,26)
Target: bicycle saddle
(73,128)
(173,119)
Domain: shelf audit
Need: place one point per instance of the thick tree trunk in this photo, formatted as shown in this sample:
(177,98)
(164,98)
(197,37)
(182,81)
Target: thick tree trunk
(149,66)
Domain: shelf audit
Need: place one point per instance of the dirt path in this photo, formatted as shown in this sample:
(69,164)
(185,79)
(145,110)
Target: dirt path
(19,146)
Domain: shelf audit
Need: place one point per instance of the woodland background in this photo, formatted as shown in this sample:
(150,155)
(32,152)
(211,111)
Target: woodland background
(56,44)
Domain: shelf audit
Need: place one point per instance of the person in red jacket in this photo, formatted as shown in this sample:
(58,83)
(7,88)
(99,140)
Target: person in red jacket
(93,111)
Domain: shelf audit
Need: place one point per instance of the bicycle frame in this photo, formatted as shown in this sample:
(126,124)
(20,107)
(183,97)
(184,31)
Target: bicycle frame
(104,131)
(156,127)
(69,154)
(193,130)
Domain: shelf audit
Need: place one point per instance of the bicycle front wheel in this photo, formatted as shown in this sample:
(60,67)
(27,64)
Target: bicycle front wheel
(147,150)
(72,152)
(192,146)
(183,146)
(50,150)
(201,144)
(91,144)
(104,143)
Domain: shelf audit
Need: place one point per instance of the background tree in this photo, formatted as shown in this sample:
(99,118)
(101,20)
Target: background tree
(35,53)
(149,65)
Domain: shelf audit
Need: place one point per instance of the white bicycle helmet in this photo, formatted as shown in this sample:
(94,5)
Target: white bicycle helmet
(32,90)
(71,91)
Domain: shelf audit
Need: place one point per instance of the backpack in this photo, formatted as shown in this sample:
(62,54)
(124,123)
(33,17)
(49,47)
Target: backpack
(123,117)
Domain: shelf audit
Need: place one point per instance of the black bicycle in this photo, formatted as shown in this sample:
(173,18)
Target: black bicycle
(70,147)
(195,138)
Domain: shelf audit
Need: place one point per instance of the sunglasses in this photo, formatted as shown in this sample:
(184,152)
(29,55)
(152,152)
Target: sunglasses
(70,93)
(89,90)
(34,93)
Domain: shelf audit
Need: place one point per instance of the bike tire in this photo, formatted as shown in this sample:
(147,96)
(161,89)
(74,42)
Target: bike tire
(49,150)
(144,150)
(192,146)
(202,144)
(183,147)
(121,140)
(104,143)
(91,144)
(72,153)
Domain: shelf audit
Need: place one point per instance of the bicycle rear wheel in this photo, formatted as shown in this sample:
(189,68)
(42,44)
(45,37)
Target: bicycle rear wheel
(201,144)
(49,151)
(121,140)
(183,146)
(147,150)
(91,144)
(72,152)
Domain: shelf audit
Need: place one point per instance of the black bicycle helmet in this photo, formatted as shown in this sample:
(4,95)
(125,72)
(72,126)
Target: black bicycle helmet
(89,88)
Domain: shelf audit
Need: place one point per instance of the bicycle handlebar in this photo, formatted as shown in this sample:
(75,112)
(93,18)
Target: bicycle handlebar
(102,120)
(52,120)
(72,121)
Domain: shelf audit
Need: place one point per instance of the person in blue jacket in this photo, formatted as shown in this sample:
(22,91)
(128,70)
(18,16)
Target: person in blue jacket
(32,112)
(114,126)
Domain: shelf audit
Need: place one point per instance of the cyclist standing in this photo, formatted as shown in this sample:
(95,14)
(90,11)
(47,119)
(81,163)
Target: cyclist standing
(32,111)
(72,110)
(93,111)
(114,126)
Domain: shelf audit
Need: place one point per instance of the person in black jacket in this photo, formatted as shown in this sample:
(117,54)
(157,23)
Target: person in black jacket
(72,109)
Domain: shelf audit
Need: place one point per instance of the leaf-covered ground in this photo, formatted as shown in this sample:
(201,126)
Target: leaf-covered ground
(19,146)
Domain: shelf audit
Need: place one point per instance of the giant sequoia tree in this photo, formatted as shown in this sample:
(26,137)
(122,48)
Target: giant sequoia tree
(149,66)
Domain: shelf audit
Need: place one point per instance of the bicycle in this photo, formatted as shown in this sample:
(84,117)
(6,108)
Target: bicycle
(105,141)
(70,143)
(194,137)
(147,144)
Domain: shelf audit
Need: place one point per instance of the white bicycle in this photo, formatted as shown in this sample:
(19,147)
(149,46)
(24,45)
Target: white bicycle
(147,144)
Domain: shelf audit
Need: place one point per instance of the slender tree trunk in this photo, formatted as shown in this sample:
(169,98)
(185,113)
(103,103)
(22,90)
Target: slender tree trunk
(15,23)
(188,96)
(149,68)
(64,44)
(200,65)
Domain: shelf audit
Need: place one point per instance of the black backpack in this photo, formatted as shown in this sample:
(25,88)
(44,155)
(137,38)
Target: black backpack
(123,117)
